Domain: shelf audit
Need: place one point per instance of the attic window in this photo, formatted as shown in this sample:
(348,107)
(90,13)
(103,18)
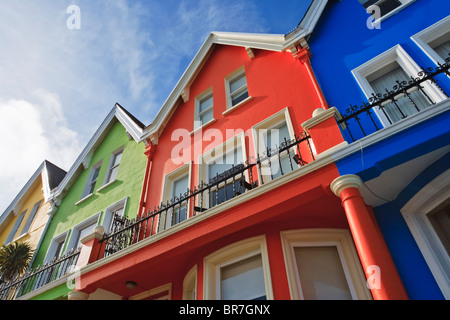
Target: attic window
(383,9)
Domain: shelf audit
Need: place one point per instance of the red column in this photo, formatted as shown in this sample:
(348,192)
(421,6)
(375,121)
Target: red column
(382,276)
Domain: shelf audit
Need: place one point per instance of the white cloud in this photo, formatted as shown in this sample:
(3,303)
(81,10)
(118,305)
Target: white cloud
(57,84)
(32,133)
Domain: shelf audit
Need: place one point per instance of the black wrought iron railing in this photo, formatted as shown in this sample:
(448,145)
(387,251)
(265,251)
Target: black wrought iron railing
(404,99)
(239,179)
(37,278)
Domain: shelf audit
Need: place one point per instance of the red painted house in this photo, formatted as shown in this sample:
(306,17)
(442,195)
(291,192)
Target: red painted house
(241,198)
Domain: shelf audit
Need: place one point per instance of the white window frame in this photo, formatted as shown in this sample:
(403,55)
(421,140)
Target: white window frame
(415,214)
(54,245)
(30,219)
(434,32)
(341,239)
(230,254)
(198,100)
(107,180)
(16,226)
(76,231)
(108,216)
(89,181)
(169,181)
(229,101)
(219,152)
(395,54)
(189,292)
(260,129)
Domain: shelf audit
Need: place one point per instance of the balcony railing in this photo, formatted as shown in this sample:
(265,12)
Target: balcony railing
(360,121)
(39,277)
(241,178)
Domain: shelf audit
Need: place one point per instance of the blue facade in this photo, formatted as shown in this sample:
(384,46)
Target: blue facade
(342,41)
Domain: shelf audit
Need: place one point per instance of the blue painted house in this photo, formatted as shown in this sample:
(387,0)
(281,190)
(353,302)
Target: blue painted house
(384,66)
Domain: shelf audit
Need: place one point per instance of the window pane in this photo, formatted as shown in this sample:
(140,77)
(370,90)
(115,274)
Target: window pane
(321,274)
(403,105)
(206,117)
(443,50)
(237,83)
(205,104)
(440,220)
(239,97)
(243,280)
(84,232)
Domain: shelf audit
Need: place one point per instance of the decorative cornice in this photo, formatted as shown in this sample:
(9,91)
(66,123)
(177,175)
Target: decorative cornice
(344,182)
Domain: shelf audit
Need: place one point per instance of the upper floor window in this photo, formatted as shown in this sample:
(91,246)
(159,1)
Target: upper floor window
(236,88)
(217,170)
(92,180)
(113,166)
(15,227)
(379,76)
(269,136)
(383,9)
(175,186)
(30,219)
(81,230)
(204,112)
(56,247)
(435,40)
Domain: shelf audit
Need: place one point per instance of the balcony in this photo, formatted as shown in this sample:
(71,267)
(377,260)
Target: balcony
(405,99)
(34,279)
(230,184)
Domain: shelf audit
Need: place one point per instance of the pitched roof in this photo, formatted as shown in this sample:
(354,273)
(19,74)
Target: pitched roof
(272,42)
(132,125)
(50,175)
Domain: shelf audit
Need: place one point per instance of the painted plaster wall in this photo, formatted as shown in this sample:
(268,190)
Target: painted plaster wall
(33,196)
(342,41)
(128,184)
(275,81)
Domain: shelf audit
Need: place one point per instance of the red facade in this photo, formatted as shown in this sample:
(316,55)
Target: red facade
(200,253)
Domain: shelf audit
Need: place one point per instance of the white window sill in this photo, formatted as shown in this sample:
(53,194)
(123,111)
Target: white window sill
(237,106)
(84,199)
(106,185)
(203,126)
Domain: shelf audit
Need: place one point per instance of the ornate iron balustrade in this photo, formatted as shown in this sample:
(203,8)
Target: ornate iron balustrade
(402,90)
(34,279)
(241,178)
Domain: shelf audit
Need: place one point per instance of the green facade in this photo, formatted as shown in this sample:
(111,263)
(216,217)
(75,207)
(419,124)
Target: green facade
(127,185)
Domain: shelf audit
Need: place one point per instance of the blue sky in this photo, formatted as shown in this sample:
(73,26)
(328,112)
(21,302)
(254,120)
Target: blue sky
(58,84)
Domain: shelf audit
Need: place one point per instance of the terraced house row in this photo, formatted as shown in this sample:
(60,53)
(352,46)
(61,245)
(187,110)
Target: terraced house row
(311,165)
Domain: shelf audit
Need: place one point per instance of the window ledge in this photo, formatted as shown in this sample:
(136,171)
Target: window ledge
(84,199)
(248,99)
(203,126)
(106,185)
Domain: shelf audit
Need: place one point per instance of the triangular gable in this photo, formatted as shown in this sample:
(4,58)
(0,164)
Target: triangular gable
(133,127)
(272,42)
(50,176)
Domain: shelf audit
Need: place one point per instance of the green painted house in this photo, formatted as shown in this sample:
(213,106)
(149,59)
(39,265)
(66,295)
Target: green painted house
(104,182)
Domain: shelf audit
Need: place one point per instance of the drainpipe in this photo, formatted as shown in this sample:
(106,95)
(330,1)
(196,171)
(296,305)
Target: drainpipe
(150,149)
(303,55)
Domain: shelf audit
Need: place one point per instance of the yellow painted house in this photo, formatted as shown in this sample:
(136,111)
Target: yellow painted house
(26,218)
